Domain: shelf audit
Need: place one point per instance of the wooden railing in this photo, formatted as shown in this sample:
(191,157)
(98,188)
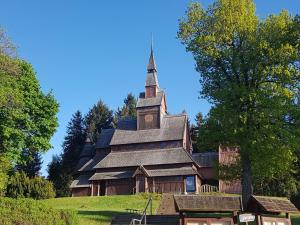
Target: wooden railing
(208,188)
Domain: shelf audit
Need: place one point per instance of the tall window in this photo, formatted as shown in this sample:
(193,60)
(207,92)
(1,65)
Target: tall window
(190,184)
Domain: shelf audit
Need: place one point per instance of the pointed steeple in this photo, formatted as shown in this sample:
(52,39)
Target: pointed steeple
(151,64)
(151,79)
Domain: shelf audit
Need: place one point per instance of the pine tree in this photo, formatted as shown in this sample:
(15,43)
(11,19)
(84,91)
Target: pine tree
(31,163)
(62,168)
(127,110)
(73,143)
(99,117)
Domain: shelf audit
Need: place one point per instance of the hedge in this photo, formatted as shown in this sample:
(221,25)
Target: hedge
(32,212)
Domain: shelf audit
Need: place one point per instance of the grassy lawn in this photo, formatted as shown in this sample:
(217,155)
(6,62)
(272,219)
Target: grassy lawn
(100,210)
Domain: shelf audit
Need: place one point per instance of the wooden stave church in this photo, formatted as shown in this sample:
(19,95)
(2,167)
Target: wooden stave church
(152,153)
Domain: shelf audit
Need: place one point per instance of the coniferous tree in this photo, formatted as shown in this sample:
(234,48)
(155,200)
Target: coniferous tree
(99,117)
(31,163)
(62,168)
(73,143)
(127,110)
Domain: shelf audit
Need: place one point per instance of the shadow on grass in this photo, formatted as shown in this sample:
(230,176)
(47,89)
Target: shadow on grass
(99,216)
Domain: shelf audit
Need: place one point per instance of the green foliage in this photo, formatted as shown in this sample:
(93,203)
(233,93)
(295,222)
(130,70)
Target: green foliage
(61,180)
(99,117)
(31,212)
(30,163)
(127,110)
(21,186)
(4,169)
(249,72)
(62,168)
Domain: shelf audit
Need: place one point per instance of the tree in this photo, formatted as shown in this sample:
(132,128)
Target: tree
(62,168)
(99,117)
(73,143)
(30,163)
(128,110)
(249,72)
(27,115)
(21,186)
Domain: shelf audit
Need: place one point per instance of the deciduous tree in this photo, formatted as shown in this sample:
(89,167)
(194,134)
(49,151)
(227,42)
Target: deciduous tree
(249,72)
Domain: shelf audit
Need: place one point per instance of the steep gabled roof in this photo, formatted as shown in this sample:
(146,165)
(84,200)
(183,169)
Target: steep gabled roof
(104,138)
(206,159)
(144,157)
(172,128)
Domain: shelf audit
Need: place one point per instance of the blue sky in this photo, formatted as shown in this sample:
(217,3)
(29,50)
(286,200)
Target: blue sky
(90,50)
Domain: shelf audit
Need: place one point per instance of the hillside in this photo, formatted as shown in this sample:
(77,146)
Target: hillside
(100,210)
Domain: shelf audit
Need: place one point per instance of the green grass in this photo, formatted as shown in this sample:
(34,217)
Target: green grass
(295,219)
(100,210)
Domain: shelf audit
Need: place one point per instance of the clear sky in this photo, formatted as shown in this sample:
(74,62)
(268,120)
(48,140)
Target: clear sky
(90,50)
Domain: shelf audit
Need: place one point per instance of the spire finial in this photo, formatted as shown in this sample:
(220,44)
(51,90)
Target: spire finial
(151,65)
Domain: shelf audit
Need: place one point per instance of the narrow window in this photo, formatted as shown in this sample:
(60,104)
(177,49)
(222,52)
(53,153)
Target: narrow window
(190,184)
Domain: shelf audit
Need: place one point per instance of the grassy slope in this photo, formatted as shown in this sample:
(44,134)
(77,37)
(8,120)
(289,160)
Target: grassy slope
(100,210)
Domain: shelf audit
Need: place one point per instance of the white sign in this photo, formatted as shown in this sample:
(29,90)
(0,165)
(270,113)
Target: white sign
(246,218)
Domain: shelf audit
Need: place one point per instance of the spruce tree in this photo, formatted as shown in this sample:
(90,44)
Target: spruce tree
(99,117)
(31,163)
(63,167)
(128,110)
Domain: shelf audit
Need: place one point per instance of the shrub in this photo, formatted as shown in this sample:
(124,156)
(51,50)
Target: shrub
(21,186)
(32,212)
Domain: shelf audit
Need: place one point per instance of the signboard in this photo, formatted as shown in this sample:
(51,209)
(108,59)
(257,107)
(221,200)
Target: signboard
(246,218)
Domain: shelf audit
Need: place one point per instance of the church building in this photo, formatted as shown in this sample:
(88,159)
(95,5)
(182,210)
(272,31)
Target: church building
(150,153)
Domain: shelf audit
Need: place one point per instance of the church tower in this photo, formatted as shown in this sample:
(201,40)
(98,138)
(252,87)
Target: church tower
(151,105)
(151,85)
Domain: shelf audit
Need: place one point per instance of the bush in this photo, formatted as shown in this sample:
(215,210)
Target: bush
(21,186)
(31,212)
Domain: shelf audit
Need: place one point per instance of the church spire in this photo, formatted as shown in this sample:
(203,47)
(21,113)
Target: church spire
(151,64)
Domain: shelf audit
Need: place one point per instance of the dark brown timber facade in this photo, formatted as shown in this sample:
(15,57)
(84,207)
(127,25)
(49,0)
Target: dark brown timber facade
(150,153)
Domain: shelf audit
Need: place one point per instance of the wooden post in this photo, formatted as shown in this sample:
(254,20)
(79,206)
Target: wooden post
(235,218)
(184,185)
(153,185)
(92,190)
(146,184)
(257,219)
(98,193)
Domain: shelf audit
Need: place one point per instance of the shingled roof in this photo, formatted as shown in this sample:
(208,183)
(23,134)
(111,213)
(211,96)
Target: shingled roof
(171,172)
(144,157)
(104,138)
(172,128)
(81,181)
(206,159)
(89,166)
(197,203)
(112,175)
(271,204)
(155,101)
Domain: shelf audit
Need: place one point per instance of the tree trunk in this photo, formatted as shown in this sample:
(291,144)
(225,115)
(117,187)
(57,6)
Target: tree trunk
(247,188)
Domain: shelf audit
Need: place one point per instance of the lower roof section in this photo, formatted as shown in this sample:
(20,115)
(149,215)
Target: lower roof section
(112,175)
(145,158)
(184,171)
(81,182)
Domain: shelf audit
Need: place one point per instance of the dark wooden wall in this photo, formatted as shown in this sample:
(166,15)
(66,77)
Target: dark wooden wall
(77,192)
